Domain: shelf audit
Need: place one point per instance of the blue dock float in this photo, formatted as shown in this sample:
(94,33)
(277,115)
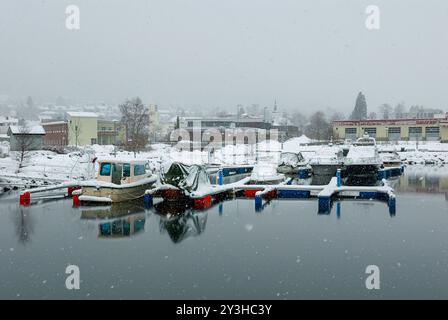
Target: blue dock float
(148,199)
(304,173)
(386,173)
(228,171)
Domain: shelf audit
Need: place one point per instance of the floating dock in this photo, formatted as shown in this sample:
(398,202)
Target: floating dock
(325,194)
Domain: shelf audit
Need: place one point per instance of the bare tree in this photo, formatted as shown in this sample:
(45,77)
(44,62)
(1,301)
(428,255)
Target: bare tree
(24,144)
(372,115)
(399,110)
(135,118)
(76,128)
(386,110)
(318,127)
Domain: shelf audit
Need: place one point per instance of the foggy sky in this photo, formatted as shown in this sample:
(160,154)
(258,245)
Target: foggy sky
(219,53)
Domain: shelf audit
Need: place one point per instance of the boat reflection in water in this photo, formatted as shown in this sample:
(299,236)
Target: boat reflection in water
(424,179)
(121,219)
(180,221)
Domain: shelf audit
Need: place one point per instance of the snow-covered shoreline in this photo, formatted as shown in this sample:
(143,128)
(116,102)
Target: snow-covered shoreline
(80,165)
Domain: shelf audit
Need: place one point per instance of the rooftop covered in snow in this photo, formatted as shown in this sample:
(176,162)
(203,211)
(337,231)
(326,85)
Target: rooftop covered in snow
(38,130)
(79,114)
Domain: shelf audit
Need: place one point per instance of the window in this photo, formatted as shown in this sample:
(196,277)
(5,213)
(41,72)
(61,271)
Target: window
(105,169)
(415,132)
(350,130)
(126,170)
(432,133)
(371,132)
(139,169)
(394,133)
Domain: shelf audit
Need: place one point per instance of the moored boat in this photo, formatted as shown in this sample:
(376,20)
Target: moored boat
(362,160)
(390,158)
(326,161)
(117,181)
(292,163)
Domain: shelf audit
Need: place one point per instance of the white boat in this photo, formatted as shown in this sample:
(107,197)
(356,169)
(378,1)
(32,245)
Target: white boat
(117,181)
(390,158)
(363,159)
(265,173)
(326,161)
(291,163)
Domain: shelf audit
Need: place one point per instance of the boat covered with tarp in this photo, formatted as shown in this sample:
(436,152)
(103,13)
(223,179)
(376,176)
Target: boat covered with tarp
(180,180)
(292,163)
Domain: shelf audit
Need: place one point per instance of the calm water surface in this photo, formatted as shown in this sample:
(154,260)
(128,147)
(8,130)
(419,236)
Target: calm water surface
(286,251)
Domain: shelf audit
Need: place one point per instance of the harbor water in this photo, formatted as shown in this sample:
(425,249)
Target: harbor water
(231,251)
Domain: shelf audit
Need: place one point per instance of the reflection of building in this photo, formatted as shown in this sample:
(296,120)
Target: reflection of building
(82,128)
(393,129)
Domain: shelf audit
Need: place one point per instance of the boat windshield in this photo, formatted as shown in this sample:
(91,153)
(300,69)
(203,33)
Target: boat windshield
(139,169)
(105,169)
(126,170)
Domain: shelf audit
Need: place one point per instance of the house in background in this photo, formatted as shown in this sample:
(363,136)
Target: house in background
(5,122)
(31,136)
(82,128)
(56,133)
(111,132)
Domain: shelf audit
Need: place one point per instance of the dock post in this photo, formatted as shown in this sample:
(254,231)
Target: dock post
(220,177)
(392,202)
(338,210)
(220,209)
(338,176)
(258,202)
(324,204)
(148,201)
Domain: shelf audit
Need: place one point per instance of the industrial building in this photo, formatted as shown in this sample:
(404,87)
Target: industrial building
(433,129)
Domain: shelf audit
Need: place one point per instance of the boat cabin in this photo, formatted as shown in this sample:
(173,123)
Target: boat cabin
(366,140)
(121,172)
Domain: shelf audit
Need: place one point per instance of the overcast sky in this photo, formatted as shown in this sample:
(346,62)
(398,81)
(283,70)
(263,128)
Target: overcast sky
(307,54)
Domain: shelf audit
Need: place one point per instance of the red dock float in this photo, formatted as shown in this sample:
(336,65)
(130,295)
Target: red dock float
(172,194)
(76,201)
(203,203)
(25,199)
(250,193)
(71,189)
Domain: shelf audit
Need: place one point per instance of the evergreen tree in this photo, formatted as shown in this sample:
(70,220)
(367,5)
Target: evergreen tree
(360,110)
(29,102)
